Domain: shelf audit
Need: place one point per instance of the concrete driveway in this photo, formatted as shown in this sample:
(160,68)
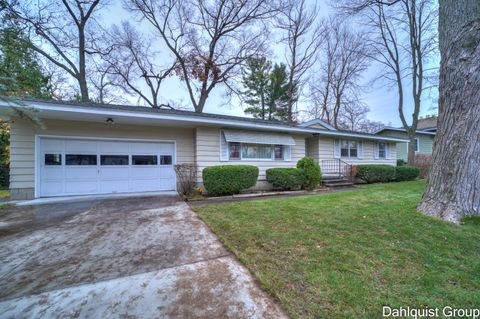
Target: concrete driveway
(147,257)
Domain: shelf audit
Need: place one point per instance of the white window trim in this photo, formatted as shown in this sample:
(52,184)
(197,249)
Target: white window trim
(384,151)
(418,145)
(348,141)
(271,159)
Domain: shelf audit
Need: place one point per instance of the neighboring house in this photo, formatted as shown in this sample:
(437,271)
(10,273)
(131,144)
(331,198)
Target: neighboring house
(423,140)
(68,148)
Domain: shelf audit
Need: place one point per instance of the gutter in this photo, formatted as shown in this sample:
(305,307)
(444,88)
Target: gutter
(193,119)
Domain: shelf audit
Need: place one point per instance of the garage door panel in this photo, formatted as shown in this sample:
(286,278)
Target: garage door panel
(80,187)
(80,146)
(114,186)
(81,173)
(143,173)
(52,146)
(77,166)
(113,173)
(145,185)
(144,148)
(52,174)
(107,147)
(52,188)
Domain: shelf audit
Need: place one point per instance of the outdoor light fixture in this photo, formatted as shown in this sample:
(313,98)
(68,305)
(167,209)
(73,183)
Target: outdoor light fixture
(109,121)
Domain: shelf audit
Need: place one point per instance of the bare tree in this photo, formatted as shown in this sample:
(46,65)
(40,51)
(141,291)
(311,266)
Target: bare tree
(453,189)
(371,127)
(342,61)
(131,65)
(353,115)
(302,36)
(64,32)
(209,39)
(403,39)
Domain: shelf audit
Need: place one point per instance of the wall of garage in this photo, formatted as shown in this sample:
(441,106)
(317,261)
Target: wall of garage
(22,144)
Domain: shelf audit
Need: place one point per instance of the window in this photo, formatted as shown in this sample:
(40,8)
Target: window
(80,159)
(234,150)
(256,151)
(144,159)
(165,160)
(381,150)
(417,144)
(53,159)
(278,150)
(113,159)
(252,151)
(348,148)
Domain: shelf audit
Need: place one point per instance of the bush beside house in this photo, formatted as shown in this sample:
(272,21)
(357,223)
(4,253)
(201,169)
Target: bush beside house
(423,162)
(385,173)
(376,173)
(311,171)
(229,179)
(406,173)
(286,178)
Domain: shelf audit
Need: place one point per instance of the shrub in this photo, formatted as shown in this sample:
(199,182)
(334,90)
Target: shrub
(401,162)
(376,173)
(286,178)
(311,172)
(229,179)
(186,177)
(423,162)
(406,173)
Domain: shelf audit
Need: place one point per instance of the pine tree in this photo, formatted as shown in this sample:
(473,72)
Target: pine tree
(20,73)
(256,80)
(278,93)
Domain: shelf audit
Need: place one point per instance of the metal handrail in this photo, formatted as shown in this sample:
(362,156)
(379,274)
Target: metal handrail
(337,167)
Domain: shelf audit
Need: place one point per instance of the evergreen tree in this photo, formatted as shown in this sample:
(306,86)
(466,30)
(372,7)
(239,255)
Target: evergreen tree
(278,93)
(256,81)
(20,73)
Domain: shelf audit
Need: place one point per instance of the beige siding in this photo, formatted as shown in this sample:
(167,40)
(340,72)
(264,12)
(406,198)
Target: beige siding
(208,153)
(22,154)
(325,152)
(23,142)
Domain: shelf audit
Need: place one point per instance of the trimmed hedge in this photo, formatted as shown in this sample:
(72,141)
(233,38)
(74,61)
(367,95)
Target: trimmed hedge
(406,173)
(376,173)
(229,179)
(286,178)
(311,171)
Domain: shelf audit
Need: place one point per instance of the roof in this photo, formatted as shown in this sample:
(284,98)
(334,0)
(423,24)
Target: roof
(318,122)
(147,115)
(396,129)
(427,122)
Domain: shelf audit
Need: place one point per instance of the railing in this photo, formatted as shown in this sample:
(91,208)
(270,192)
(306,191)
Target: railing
(337,168)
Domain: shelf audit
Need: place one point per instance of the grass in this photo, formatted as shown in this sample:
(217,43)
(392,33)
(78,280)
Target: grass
(345,255)
(4,193)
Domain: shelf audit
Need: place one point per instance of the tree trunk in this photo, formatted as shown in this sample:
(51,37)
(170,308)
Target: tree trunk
(411,149)
(82,74)
(453,189)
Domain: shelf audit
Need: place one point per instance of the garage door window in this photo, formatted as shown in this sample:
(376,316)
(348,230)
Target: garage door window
(80,159)
(113,159)
(144,160)
(165,160)
(53,159)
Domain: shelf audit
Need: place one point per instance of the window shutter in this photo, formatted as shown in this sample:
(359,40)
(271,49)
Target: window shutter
(360,149)
(223,148)
(336,148)
(287,153)
(375,151)
(387,151)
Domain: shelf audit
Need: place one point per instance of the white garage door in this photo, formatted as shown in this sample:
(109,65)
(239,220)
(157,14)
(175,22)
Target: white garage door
(86,166)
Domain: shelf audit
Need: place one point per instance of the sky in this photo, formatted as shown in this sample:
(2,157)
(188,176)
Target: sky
(381,100)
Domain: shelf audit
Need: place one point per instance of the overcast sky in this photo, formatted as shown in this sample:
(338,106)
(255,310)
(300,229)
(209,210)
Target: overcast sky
(381,100)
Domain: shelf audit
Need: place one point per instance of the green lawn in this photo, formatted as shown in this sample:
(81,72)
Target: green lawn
(344,255)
